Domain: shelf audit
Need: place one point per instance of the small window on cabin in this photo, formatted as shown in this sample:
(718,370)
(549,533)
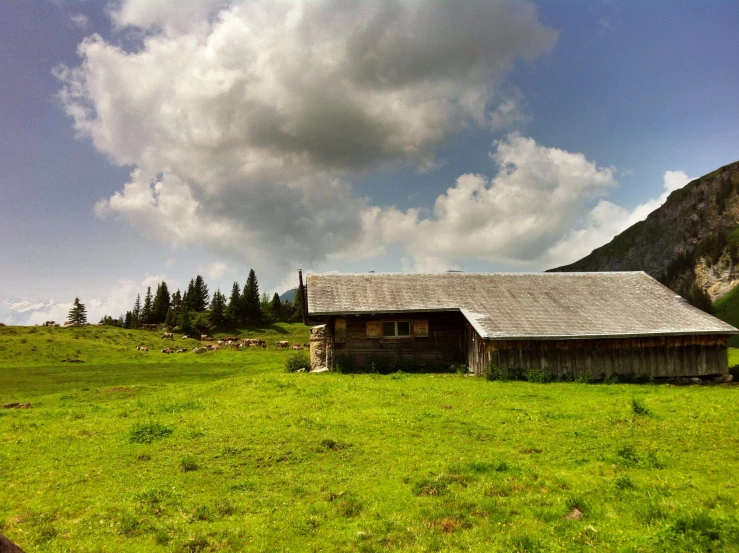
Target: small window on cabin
(396,329)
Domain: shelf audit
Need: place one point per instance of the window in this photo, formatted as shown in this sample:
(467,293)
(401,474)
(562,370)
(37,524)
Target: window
(396,329)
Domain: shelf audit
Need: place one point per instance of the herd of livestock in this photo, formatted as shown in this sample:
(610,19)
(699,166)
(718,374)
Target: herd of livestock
(231,342)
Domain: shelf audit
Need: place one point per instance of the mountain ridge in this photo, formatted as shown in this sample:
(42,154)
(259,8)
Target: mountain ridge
(690,243)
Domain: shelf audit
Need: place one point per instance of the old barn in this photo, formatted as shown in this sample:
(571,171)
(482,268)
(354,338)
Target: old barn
(595,324)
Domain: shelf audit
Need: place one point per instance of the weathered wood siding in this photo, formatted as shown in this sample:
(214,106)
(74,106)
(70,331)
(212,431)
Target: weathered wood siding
(442,345)
(664,356)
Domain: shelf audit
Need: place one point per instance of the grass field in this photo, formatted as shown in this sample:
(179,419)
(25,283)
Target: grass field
(224,451)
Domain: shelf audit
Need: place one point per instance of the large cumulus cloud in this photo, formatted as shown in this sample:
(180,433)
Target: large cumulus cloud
(246,121)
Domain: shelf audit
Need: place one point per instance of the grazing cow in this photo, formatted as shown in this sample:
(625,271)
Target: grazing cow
(182,350)
(282,344)
(231,339)
(168,335)
(297,346)
(142,348)
(185,337)
(199,350)
(206,338)
(167,350)
(220,342)
(306,345)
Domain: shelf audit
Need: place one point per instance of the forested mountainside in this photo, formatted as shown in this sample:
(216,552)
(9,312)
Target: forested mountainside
(690,244)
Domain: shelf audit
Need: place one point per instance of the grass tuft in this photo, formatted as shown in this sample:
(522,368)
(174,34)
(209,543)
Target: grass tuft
(188,464)
(639,408)
(148,432)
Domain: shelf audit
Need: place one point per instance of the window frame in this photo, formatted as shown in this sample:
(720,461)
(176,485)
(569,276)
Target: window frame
(395,325)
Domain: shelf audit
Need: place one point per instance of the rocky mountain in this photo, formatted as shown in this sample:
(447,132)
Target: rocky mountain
(690,244)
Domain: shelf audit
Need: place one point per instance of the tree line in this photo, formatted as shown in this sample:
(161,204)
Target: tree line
(196,310)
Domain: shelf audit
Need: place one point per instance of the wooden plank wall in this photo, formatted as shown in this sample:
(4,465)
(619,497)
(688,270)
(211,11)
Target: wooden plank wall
(666,356)
(443,345)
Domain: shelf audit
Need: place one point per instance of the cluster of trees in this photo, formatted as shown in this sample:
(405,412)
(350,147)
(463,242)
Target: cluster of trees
(195,309)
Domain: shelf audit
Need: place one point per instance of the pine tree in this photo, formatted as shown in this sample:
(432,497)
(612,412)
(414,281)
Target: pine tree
(136,313)
(252,307)
(217,308)
(160,307)
(128,321)
(200,297)
(186,323)
(146,310)
(234,304)
(298,304)
(189,296)
(78,314)
(276,304)
(176,302)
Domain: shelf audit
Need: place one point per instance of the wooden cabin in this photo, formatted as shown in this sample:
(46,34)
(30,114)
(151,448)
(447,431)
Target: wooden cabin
(594,324)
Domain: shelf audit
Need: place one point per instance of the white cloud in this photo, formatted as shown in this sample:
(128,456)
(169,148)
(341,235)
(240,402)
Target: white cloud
(244,121)
(606,220)
(120,298)
(213,270)
(79,20)
(516,217)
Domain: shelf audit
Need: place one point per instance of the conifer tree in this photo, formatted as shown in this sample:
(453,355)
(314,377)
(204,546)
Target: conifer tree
(276,304)
(252,307)
(186,322)
(146,310)
(78,314)
(176,301)
(233,310)
(127,321)
(160,307)
(136,313)
(201,297)
(189,296)
(217,309)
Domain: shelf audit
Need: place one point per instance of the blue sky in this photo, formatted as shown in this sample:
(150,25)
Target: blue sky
(212,137)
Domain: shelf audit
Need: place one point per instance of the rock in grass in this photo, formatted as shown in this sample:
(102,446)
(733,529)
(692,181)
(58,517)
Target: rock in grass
(7,546)
(724,378)
(574,514)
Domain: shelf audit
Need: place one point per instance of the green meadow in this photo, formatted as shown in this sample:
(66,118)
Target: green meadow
(225,451)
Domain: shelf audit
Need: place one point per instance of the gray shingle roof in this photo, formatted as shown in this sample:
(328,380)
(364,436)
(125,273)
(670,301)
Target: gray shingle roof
(521,305)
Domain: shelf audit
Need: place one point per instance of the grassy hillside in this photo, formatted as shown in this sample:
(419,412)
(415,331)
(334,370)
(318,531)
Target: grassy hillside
(727,309)
(111,345)
(227,452)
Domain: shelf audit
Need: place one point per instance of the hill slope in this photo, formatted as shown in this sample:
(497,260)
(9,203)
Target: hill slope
(690,243)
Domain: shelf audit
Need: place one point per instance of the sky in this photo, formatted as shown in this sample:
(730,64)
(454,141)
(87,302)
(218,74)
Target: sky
(145,140)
